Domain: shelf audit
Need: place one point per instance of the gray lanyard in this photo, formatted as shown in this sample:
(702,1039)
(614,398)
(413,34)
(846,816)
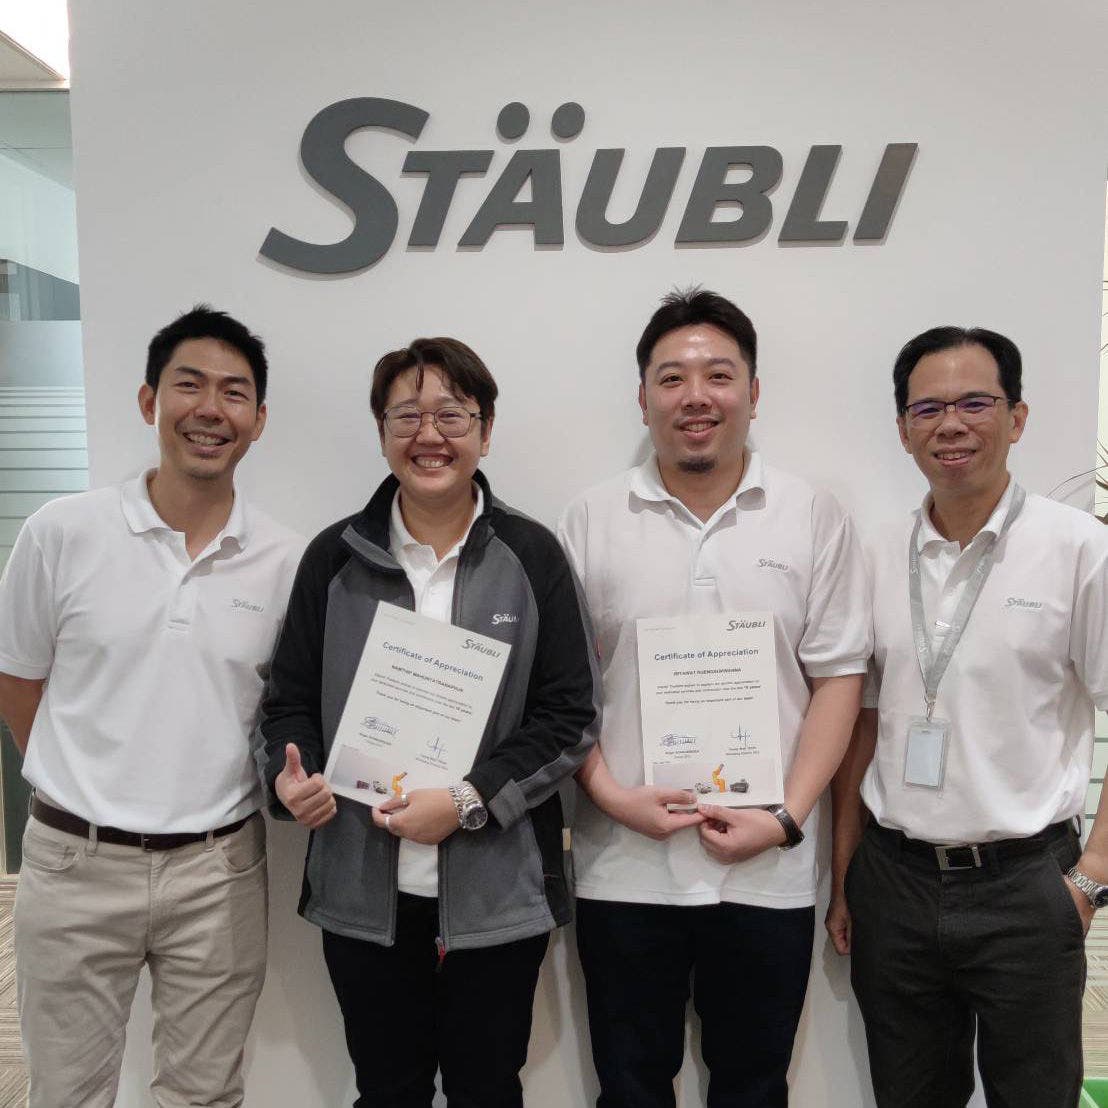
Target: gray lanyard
(933,668)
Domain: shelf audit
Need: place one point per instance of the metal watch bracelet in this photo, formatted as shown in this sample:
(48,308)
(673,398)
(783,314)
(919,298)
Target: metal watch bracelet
(1095,892)
(472,814)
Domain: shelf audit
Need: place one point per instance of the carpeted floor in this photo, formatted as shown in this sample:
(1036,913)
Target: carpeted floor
(13,1083)
(1096,999)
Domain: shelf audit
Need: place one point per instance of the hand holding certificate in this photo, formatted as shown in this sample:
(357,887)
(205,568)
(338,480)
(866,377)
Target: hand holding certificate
(708,695)
(417,707)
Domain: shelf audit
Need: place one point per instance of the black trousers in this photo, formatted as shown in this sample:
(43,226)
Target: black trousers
(406,1015)
(748,969)
(937,955)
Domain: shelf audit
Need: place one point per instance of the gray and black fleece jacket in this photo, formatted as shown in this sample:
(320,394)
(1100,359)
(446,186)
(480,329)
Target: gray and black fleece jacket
(506,881)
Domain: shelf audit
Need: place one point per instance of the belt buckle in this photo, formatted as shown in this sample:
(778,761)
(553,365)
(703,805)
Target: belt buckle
(144,842)
(942,855)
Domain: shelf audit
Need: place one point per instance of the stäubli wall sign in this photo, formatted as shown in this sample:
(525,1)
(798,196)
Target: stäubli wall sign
(376,216)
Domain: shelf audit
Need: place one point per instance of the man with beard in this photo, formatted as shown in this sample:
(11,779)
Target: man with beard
(664,897)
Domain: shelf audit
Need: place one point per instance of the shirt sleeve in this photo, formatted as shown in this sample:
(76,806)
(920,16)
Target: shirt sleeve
(1088,641)
(28,620)
(871,687)
(572,531)
(837,638)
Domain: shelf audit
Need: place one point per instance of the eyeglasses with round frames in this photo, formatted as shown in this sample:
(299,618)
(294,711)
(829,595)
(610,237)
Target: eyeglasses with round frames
(450,422)
(973,408)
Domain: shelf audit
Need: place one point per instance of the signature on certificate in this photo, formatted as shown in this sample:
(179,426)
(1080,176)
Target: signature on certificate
(437,748)
(376,723)
(677,739)
(742,737)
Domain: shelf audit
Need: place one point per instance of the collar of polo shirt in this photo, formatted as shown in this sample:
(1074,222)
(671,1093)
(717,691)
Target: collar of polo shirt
(647,484)
(142,516)
(929,534)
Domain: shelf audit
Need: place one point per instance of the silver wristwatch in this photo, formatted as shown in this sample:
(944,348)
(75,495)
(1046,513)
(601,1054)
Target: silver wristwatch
(472,813)
(1094,890)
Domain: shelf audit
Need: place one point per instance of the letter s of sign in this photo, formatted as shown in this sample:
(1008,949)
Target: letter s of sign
(323,155)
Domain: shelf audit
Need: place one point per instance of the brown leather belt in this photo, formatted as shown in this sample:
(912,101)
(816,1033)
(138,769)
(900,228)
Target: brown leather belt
(62,820)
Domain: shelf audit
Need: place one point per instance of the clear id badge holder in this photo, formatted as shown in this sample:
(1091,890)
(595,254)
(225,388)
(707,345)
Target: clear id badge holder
(928,738)
(925,752)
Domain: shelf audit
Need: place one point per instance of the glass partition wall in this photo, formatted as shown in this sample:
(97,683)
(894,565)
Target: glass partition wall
(42,401)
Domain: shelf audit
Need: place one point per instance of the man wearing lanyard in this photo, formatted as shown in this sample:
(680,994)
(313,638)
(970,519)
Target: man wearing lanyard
(965,901)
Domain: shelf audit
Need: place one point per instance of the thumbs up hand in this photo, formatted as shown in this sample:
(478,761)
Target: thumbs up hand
(309,799)
(293,766)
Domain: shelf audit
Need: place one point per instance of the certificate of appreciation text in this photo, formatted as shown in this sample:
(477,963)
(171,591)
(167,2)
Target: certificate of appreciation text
(417,707)
(708,694)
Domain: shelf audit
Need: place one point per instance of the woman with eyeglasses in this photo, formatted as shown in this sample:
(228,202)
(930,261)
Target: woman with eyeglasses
(437,905)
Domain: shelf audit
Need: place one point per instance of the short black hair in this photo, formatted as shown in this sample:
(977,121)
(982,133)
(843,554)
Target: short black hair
(205,322)
(462,368)
(688,307)
(1004,351)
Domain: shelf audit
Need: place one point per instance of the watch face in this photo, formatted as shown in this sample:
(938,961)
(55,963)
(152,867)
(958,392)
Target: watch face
(1101,898)
(475,817)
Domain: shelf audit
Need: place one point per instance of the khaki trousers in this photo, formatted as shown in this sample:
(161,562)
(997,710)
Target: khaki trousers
(89,915)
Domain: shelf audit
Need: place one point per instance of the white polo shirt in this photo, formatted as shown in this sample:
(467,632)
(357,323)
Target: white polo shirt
(776,544)
(154,663)
(1021,685)
(432,580)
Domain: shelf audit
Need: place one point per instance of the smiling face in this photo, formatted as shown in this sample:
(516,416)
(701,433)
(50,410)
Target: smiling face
(961,458)
(205,410)
(434,472)
(698,398)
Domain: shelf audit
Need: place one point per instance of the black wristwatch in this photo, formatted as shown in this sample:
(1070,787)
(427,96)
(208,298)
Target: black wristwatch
(793,835)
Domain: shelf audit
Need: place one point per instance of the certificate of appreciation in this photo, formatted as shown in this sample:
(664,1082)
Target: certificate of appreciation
(417,707)
(708,694)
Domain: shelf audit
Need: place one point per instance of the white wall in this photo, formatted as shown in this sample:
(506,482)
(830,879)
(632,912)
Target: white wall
(187,122)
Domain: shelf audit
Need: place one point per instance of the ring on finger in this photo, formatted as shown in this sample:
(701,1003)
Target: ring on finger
(404,799)
(388,821)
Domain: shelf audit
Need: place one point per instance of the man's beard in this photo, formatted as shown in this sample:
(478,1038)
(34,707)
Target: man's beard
(698,464)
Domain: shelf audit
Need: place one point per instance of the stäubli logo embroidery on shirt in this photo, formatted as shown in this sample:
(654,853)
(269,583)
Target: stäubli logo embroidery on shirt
(504,617)
(246,606)
(1019,602)
(769,563)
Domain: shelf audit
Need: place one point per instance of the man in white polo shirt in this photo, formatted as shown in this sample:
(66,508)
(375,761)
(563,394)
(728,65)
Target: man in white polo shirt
(706,526)
(990,608)
(136,627)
